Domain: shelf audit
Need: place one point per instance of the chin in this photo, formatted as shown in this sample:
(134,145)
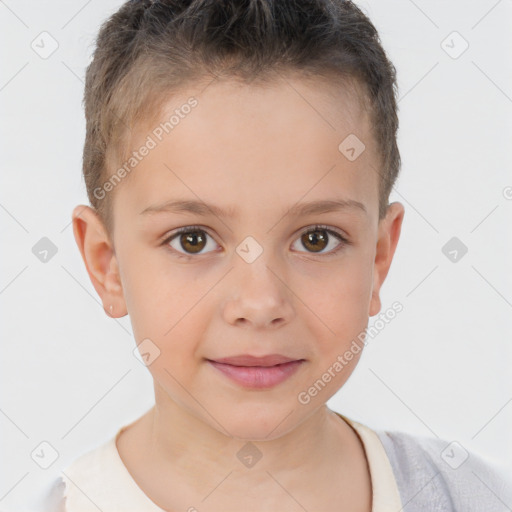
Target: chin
(257,424)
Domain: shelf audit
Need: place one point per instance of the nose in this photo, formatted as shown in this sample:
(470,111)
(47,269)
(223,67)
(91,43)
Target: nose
(258,297)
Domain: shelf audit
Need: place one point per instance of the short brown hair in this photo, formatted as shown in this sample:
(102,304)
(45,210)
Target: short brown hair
(148,49)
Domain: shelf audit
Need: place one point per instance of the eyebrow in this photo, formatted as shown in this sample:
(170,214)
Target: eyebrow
(301,209)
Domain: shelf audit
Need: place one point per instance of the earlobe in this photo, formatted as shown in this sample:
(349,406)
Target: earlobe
(389,234)
(99,258)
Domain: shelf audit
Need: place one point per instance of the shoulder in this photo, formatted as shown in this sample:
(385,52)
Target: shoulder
(82,480)
(91,463)
(435,474)
(99,480)
(88,478)
(83,484)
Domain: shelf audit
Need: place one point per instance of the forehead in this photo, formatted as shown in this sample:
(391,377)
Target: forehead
(244,144)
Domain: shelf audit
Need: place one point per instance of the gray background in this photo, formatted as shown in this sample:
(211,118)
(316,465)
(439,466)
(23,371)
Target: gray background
(440,368)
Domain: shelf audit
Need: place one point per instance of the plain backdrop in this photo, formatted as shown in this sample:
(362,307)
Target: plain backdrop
(440,368)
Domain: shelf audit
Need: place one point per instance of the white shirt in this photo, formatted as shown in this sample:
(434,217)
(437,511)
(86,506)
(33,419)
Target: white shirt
(100,480)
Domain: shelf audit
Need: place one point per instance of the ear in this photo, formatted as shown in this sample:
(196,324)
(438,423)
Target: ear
(388,235)
(100,260)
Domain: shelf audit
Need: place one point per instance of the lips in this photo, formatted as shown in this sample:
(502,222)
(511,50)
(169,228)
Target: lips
(248,360)
(257,373)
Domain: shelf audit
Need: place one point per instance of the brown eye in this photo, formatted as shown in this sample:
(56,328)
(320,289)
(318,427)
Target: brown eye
(190,241)
(193,241)
(316,240)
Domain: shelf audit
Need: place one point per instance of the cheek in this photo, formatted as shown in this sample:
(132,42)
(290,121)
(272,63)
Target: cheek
(154,295)
(341,310)
(165,306)
(338,331)
(341,297)
(179,341)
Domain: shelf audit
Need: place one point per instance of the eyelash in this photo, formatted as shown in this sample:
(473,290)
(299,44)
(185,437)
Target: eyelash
(317,227)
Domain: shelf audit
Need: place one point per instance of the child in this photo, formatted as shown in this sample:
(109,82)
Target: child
(239,158)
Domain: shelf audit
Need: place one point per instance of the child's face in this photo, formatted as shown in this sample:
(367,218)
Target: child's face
(254,152)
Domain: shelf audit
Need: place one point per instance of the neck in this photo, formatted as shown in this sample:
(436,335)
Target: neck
(198,453)
(178,458)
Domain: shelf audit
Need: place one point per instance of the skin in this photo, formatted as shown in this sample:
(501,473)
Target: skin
(260,150)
